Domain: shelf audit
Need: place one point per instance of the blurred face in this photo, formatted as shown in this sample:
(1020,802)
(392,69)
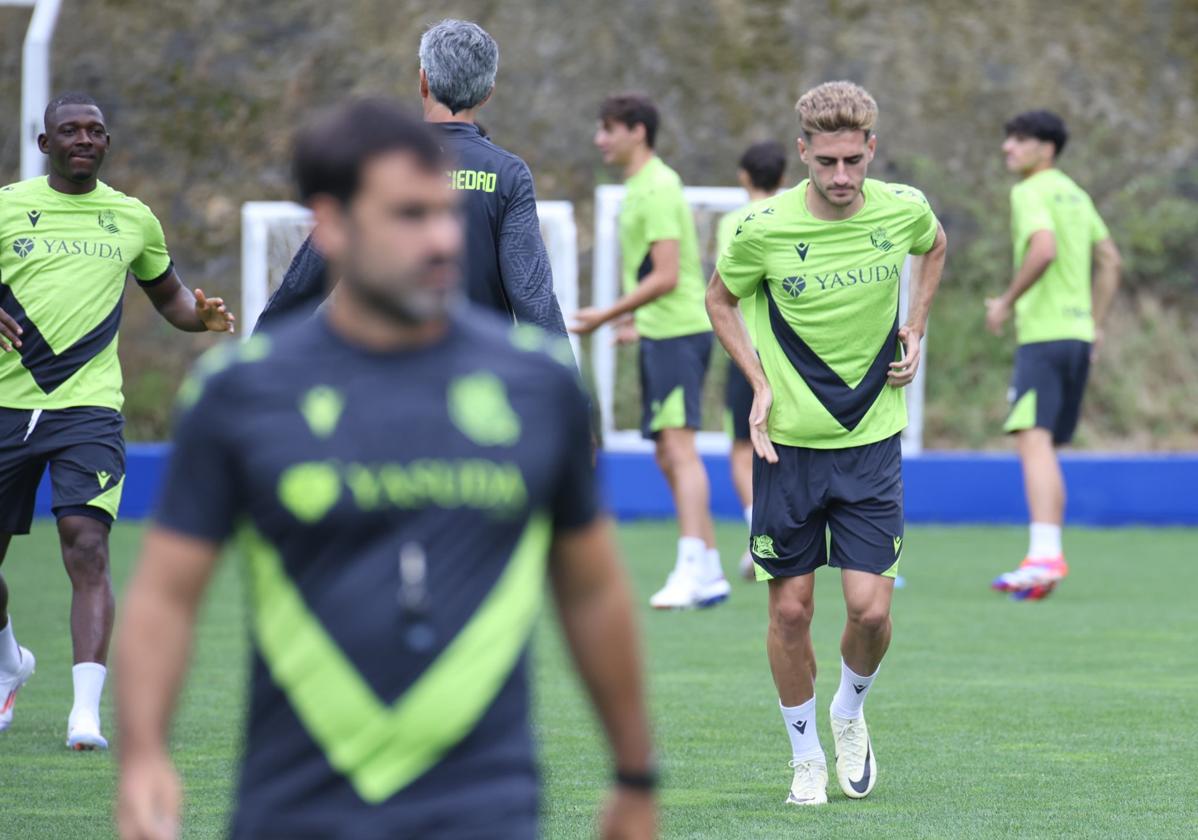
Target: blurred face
(396,245)
(76,141)
(617,142)
(838,163)
(1026,154)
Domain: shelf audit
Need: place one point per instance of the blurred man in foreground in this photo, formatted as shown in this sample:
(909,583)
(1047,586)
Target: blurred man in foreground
(1066,274)
(400,475)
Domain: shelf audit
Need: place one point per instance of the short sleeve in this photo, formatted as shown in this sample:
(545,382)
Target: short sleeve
(576,496)
(663,212)
(1029,213)
(726,229)
(1098,228)
(741,265)
(201,492)
(153,261)
(926,226)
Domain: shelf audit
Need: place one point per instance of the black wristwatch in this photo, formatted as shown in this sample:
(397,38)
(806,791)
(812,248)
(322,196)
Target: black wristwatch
(645,780)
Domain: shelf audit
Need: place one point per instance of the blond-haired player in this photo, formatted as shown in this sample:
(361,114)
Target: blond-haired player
(822,263)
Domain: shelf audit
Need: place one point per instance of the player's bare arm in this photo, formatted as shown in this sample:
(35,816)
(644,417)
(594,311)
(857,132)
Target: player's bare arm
(156,635)
(729,324)
(10,332)
(1107,263)
(925,280)
(187,310)
(595,606)
(1041,251)
(661,281)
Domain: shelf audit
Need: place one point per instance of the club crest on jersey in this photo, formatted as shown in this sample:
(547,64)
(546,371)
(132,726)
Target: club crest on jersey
(479,407)
(22,246)
(878,239)
(322,407)
(794,286)
(35,216)
(107,220)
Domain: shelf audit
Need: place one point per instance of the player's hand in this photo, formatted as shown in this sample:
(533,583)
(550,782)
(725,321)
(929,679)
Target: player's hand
(588,319)
(759,417)
(902,373)
(10,331)
(626,332)
(149,799)
(1096,345)
(629,815)
(997,313)
(213,314)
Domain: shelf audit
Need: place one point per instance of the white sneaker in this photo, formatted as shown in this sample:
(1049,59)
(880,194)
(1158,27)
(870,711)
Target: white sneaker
(679,593)
(83,732)
(10,684)
(810,783)
(856,767)
(712,592)
(748,569)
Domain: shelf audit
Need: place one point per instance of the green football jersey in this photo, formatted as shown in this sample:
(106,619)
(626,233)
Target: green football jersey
(826,300)
(654,210)
(724,232)
(63,263)
(1057,306)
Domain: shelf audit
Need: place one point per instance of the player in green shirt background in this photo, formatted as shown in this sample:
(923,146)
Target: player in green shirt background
(1066,274)
(663,291)
(67,243)
(760,172)
(822,263)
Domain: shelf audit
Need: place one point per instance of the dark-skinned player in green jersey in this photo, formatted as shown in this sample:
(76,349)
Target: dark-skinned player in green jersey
(67,243)
(822,264)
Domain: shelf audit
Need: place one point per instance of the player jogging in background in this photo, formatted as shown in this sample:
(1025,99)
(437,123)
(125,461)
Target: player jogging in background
(760,172)
(402,473)
(67,243)
(505,265)
(1066,274)
(663,292)
(822,264)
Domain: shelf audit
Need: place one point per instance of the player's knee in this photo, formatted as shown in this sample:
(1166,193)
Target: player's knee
(792,615)
(85,553)
(871,619)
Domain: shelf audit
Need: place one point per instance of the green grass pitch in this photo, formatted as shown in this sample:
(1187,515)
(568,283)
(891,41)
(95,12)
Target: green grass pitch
(1075,717)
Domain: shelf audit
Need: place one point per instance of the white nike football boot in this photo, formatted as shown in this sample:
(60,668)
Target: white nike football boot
(856,767)
(10,684)
(83,732)
(810,783)
(681,591)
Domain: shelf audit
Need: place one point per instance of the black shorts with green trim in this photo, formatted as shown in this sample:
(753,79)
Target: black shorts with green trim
(85,450)
(738,403)
(1047,387)
(672,373)
(853,495)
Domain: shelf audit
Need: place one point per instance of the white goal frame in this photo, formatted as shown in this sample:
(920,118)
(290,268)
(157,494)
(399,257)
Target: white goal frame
(557,225)
(605,290)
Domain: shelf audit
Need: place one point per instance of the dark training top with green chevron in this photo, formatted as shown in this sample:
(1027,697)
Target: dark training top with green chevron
(63,263)
(825,296)
(395,511)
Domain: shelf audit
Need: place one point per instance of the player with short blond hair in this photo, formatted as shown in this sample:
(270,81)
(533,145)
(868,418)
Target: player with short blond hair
(821,265)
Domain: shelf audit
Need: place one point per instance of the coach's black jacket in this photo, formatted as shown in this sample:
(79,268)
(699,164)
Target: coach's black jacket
(505,265)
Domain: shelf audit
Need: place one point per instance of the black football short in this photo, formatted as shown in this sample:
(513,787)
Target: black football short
(672,374)
(1047,387)
(85,450)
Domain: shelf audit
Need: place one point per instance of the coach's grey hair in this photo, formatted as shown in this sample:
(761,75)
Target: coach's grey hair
(460,60)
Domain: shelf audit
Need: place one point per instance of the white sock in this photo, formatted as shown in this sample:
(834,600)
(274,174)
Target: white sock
(1045,541)
(89,685)
(10,657)
(749,516)
(692,554)
(804,735)
(850,697)
(713,570)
